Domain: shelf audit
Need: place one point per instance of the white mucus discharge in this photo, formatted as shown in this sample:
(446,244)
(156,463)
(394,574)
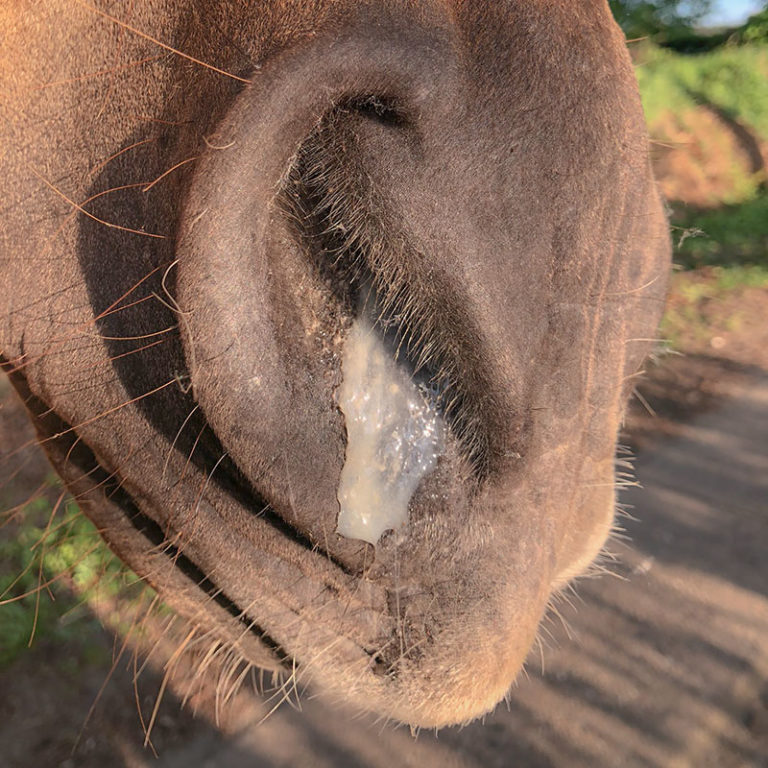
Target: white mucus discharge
(394,437)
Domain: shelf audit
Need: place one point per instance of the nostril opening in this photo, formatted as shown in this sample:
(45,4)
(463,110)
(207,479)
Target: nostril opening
(382,109)
(334,214)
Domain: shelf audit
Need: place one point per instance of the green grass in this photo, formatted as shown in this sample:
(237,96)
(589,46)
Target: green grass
(687,317)
(732,78)
(71,558)
(732,236)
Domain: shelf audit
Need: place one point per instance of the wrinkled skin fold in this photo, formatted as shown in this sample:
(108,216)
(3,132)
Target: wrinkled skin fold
(197,195)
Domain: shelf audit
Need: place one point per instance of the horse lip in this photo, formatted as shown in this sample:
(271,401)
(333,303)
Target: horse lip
(389,637)
(308,589)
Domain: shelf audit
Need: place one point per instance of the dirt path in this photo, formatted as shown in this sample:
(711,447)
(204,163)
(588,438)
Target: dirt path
(666,666)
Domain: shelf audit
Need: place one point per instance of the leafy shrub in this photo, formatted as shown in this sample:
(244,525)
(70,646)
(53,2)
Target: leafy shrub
(756,28)
(732,235)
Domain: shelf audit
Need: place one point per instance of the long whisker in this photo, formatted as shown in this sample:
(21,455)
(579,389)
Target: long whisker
(82,210)
(154,40)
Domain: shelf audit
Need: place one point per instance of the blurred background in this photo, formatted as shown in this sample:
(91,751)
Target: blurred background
(663,661)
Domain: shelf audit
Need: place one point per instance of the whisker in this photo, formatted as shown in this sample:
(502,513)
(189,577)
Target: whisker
(154,40)
(169,171)
(98,73)
(109,224)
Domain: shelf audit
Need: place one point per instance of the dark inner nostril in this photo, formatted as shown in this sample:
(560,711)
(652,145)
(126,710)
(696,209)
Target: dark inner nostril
(335,214)
(383,109)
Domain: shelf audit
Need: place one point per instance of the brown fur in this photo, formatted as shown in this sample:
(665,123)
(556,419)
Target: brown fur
(185,229)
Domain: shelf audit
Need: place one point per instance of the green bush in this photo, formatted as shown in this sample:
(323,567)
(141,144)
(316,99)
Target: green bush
(658,18)
(756,28)
(734,79)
